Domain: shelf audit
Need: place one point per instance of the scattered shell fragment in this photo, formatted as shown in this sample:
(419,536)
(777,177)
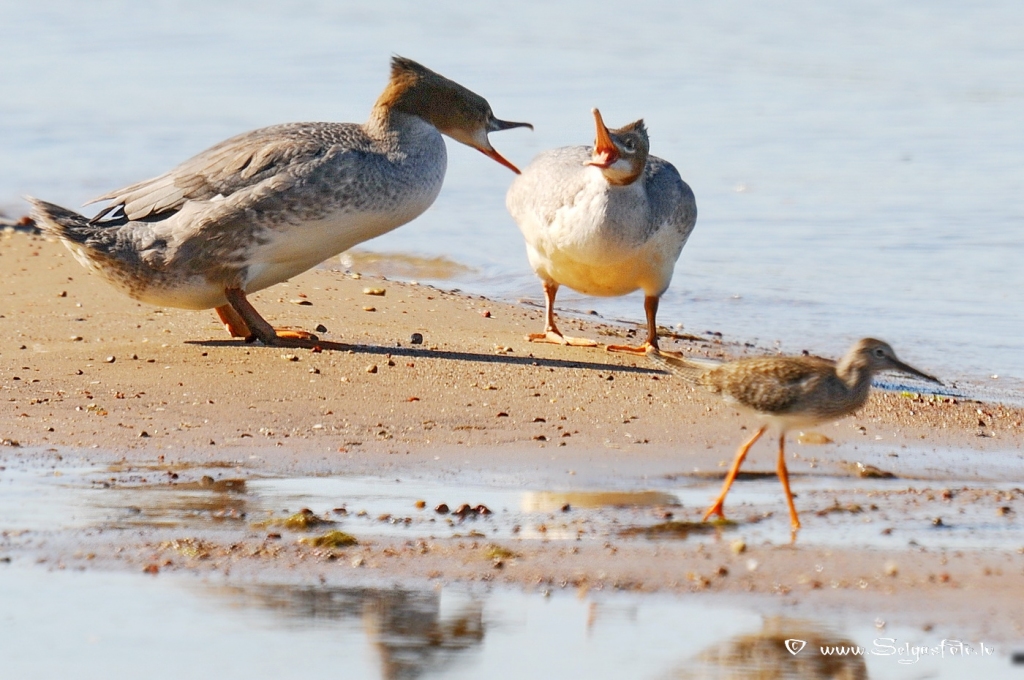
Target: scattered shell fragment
(872,472)
(369,309)
(812,438)
(738,546)
(372,368)
(463,510)
(305,303)
(375,291)
(290,357)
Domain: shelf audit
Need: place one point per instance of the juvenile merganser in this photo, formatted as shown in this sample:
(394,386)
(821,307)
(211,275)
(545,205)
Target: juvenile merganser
(605,221)
(262,207)
(790,392)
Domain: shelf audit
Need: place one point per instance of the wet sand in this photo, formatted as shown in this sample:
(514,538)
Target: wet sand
(92,378)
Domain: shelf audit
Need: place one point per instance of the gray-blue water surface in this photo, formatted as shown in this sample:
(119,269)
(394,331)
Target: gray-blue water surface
(857,166)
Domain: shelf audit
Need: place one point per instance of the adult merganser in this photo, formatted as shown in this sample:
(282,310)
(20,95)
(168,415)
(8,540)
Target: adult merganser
(259,208)
(605,221)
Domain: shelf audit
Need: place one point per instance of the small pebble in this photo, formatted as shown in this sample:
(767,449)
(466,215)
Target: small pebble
(110,359)
(369,309)
(374,291)
(441,509)
(320,328)
(416,338)
(420,505)
(372,368)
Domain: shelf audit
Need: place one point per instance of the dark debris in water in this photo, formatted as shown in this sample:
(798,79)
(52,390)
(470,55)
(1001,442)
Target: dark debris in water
(497,552)
(851,508)
(303,520)
(678,529)
(331,539)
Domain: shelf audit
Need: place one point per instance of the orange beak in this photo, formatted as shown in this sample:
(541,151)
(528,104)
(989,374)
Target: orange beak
(495,125)
(605,151)
(491,153)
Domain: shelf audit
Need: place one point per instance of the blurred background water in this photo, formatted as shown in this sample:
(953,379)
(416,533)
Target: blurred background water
(857,166)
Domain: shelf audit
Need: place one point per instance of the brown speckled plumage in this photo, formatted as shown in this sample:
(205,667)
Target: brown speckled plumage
(790,392)
(805,388)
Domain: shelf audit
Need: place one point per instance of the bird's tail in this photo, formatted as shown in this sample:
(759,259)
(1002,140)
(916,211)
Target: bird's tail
(62,223)
(689,370)
(103,248)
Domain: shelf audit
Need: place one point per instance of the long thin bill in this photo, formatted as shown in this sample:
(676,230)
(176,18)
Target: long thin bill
(907,368)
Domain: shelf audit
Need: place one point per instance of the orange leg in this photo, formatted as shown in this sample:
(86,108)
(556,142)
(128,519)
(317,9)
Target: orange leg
(651,310)
(741,453)
(233,321)
(242,310)
(794,520)
(551,333)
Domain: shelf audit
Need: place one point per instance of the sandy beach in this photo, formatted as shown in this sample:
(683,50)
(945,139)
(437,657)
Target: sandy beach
(161,397)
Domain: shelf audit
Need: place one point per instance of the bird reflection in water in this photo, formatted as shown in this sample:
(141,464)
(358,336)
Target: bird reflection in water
(764,656)
(408,629)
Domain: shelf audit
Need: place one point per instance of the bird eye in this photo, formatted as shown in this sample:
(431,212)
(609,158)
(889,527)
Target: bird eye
(879,352)
(628,146)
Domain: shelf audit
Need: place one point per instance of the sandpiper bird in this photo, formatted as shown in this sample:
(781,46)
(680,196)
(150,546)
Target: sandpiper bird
(604,221)
(269,204)
(790,392)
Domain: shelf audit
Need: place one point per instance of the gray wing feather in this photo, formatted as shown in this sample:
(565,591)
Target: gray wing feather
(231,166)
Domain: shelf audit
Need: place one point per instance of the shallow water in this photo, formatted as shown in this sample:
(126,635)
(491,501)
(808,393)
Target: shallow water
(925,506)
(128,625)
(102,625)
(857,169)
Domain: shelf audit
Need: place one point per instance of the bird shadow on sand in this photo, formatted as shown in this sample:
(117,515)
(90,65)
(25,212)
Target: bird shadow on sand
(414,353)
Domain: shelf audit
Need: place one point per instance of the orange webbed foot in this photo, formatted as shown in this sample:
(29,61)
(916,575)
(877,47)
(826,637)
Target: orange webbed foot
(642,350)
(556,338)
